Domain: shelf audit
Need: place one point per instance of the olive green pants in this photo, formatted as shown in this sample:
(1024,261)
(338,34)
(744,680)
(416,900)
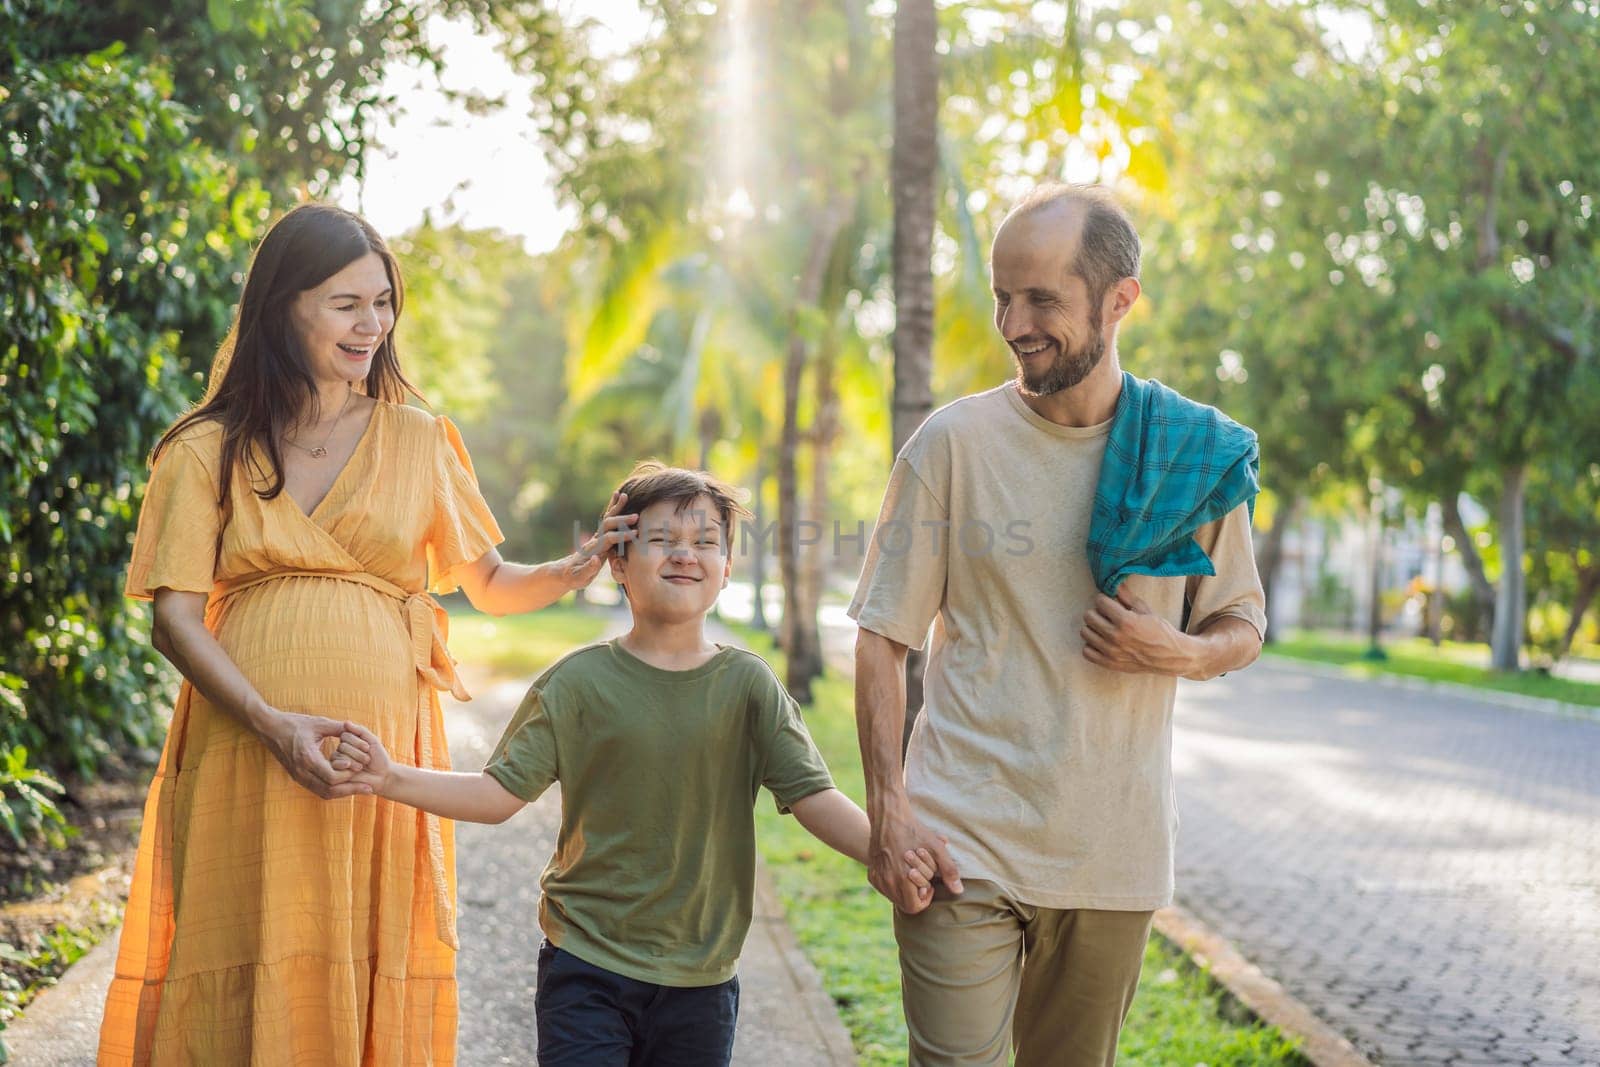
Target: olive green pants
(982,972)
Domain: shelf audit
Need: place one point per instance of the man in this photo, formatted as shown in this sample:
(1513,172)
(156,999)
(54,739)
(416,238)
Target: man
(1039,774)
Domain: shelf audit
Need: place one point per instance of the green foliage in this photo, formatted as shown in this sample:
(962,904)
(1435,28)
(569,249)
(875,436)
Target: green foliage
(286,90)
(695,215)
(120,239)
(26,809)
(1329,602)
(1464,618)
(1564,545)
(1378,247)
(455,303)
(28,968)
(502,324)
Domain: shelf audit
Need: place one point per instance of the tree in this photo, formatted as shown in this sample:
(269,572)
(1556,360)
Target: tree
(1564,512)
(786,230)
(456,298)
(119,237)
(913,185)
(1445,209)
(1236,237)
(144,148)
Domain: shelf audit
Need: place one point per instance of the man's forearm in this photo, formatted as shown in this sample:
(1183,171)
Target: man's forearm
(880,719)
(1227,643)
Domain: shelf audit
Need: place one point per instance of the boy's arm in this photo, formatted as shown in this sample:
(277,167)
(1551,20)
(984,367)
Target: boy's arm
(451,794)
(836,821)
(463,797)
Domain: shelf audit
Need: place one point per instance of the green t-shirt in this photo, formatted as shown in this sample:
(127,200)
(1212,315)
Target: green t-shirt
(653,875)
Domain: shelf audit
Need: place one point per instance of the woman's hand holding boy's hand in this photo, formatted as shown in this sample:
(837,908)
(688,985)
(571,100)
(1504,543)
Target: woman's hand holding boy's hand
(360,751)
(300,744)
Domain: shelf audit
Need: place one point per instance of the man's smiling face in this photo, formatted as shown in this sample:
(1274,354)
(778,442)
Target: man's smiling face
(1042,306)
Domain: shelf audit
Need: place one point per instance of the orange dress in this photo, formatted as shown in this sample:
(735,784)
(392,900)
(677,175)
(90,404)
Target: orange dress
(265,925)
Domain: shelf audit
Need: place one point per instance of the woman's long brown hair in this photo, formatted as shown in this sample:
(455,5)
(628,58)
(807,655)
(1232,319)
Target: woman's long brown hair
(267,377)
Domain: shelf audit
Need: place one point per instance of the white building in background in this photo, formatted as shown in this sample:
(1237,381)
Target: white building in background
(1325,578)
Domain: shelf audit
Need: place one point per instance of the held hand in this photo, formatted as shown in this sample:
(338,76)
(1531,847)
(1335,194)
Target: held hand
(898,844)
(301,743)
(921,868)
(361,751)
(1123,634)
(581,567)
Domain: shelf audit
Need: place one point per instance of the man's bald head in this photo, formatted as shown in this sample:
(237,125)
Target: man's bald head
(1089,220)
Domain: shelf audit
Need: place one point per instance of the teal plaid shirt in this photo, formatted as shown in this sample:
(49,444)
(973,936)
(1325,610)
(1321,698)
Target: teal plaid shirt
(1171,466)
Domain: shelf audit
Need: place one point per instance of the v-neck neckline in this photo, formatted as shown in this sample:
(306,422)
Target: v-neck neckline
(361,442)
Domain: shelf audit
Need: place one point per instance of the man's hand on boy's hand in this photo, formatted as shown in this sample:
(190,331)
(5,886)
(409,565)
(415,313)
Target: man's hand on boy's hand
(361,751)
(905,874)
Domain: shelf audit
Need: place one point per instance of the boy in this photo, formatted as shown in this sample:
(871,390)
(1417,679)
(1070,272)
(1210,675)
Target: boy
(660,740)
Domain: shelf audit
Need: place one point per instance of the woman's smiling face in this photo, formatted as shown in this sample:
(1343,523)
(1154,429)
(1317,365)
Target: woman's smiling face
(342,322)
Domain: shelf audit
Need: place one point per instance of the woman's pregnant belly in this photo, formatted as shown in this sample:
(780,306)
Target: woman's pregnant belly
(322,646)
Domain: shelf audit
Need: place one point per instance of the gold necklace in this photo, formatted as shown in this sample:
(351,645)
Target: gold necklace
(322,450)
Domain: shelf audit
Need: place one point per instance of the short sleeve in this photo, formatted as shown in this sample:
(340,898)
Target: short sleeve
(1236,587)
(463,528)
(179,526)
(791,767)
(524,761)
(902,582)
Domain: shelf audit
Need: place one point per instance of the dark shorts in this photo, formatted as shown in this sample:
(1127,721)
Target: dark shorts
(591,1017)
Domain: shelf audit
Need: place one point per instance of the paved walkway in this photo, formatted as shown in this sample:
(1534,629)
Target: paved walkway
(1422,870)
(784,1016)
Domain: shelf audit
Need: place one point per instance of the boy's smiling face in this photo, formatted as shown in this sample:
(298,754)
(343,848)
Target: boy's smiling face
(676,568)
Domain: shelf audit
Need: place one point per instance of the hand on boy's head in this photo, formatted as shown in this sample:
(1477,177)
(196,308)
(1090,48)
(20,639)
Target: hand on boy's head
(581,566)
(617,529)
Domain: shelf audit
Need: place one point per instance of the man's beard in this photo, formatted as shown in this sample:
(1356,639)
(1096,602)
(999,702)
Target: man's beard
(1067,369)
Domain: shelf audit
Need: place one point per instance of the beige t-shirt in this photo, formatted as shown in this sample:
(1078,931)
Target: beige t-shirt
(1050,776)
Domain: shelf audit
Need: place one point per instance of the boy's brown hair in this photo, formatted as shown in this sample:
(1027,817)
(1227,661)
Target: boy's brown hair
(652,482)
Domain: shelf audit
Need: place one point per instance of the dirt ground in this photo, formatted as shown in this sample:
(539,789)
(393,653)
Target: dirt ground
(54,905)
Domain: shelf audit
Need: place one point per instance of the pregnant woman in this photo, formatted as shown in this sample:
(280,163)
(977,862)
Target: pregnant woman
(293,527)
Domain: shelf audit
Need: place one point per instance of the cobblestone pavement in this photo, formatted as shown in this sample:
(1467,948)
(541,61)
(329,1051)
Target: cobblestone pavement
(1422,870)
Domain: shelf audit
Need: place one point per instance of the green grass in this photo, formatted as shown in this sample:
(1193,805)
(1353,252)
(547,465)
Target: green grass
(1179,1016)
(521,645)
(1416,657)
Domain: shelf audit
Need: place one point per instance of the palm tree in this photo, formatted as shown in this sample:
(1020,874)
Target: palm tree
(913,182)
